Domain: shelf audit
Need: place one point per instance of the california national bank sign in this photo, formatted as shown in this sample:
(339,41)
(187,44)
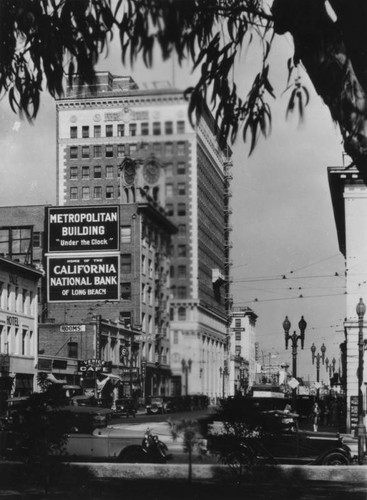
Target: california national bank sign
(83,278)
(83,229)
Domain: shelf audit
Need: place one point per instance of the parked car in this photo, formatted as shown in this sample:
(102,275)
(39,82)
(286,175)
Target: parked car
(124,407)
(158,404)
(280,441)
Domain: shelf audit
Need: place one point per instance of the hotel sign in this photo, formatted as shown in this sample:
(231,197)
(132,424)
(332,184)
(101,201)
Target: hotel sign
(83,279)
(83,229)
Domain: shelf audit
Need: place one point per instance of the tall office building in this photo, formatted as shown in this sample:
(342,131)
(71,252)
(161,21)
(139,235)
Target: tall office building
(121,145)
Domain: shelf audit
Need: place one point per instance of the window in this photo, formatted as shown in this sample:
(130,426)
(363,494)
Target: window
(237,323)
(132,129)
(175,337)
(168,148)
(180,127)
(97,131)
(143,292)
(182,229)
(24,342)
(169,169)
(97,151)
(126,263)
(181,188)
(85,131)
(73,173)
(73,152)
(125,234)
(181,292)
(97,192)
(182,272)
(85,151)
(37,239)
(181,209)
(168,128)
(109,130)
(126,291)
(120,130)
(73,132)
(181,168)
(157,148)
(182,313)
(97,174)
(125,318)
(109,192)
(238,350)
(169,209)
(120,150)
(238,336)
(180,148)
(109,171)
(145,128)
(109,151)
(181,250)
(169,190)
(74,193)
(73,350)
(85,193)
(156,128)
(85,172)
(132,148)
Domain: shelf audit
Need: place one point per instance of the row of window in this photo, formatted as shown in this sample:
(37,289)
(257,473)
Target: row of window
(15,299)
(86,193)
(16,341)
(120,150)
(121,130)
(110,171)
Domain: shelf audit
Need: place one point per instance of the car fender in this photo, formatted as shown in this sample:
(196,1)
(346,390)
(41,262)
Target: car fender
(338,449)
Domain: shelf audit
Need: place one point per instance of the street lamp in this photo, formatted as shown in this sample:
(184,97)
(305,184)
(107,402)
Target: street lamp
(318,357)
(361,430)
(186,368)
(294,338)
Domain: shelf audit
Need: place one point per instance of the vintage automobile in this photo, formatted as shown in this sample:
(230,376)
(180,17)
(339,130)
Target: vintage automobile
(158,404)
(279,441)
(89,439)
(124,407)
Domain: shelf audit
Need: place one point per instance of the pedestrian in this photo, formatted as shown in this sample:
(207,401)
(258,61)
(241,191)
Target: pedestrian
(315,415)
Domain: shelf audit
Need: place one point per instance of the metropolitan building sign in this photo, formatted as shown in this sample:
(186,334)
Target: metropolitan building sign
(83,260)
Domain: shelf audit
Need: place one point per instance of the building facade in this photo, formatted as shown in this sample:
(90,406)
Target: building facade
(122,144)
(349,196)
(18,328)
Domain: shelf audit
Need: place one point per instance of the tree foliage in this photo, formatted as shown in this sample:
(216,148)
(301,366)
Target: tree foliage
(42,41)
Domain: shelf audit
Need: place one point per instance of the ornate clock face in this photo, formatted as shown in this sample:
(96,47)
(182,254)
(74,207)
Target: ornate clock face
(151,171)
(129,173)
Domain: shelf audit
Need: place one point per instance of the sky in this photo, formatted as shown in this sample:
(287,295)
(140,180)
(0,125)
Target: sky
(285,254)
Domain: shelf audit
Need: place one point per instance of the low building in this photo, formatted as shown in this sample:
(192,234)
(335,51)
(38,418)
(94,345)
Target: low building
(18,328)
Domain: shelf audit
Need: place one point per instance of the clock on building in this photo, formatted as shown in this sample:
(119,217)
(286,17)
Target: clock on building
(151,171)
(128,172)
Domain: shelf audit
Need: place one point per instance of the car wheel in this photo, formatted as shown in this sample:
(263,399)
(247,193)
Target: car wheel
(132,454)
(238,458)
(335,458)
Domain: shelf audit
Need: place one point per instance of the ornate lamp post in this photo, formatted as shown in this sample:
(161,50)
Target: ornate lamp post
(318,357)
(186,368)
(361,430)
(294,338)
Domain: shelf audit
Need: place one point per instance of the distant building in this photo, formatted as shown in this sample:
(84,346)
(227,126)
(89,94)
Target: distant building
(242,364)
(18,328)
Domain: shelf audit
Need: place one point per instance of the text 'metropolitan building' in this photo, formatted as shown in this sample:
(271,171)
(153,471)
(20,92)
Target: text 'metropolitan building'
(121,145)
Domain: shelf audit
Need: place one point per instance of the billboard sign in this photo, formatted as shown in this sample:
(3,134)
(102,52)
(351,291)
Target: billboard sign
(83,229)
(75,279)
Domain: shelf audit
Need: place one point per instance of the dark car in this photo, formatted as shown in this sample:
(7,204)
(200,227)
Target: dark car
(158,404)
(279,441)
(124,407)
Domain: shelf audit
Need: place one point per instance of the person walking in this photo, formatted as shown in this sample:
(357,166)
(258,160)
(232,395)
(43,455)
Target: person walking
(315,414)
